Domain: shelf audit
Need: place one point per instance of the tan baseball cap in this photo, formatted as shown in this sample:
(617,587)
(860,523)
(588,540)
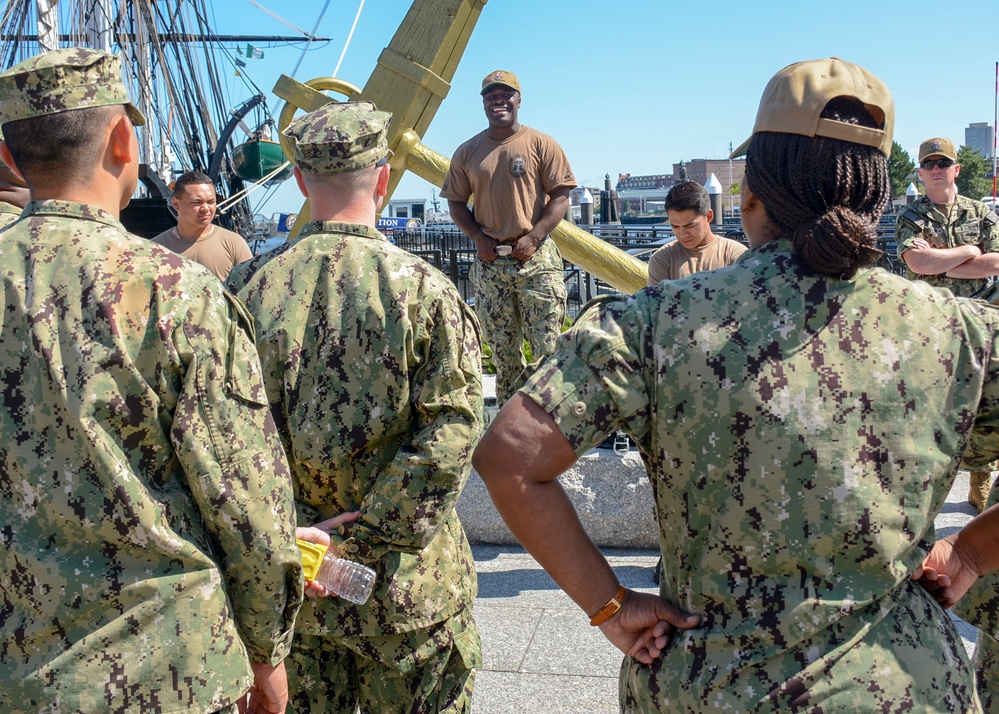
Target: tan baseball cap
(501,77)
(796,96)
(62,80)
(937,148)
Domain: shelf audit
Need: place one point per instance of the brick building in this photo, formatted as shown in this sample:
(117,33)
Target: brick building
(728,172)
(647,194)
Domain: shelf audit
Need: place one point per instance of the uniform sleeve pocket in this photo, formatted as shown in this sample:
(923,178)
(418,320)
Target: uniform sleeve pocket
(244,378)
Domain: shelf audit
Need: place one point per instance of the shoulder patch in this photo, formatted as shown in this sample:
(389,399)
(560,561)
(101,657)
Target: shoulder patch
(917,223)
(990,218)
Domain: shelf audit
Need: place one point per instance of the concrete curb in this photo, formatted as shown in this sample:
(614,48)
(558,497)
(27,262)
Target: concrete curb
(611,493)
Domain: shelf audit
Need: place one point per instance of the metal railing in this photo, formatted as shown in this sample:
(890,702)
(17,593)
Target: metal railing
(449,250)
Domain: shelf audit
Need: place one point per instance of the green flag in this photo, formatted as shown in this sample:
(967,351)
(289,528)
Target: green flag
(254,52)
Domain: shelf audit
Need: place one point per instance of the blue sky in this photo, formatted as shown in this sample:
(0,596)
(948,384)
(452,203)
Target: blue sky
(636,86)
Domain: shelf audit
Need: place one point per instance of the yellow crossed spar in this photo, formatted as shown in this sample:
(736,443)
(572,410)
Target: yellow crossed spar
(411,78)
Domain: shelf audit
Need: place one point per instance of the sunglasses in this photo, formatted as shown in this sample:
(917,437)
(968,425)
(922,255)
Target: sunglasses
(933,163)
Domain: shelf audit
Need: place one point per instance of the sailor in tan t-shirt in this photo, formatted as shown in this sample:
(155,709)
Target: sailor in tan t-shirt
(696,248)
(521,180)
(195,236)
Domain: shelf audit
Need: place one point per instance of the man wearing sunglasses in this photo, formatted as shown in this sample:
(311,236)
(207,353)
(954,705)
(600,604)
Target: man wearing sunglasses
(950,241)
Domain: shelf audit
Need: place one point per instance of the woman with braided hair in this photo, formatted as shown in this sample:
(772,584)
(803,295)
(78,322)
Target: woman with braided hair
(825,195)
(802,416)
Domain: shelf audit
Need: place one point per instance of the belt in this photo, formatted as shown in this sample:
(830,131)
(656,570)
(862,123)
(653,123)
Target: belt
(509,241)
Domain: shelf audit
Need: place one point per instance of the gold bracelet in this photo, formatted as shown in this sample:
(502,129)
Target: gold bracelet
(611,608)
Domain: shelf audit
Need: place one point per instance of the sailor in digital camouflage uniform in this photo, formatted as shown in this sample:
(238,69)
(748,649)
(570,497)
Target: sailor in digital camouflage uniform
(944,238)
(980,607)
(952,242)
(372,364)
(800,435)
(146,510)
(521,180)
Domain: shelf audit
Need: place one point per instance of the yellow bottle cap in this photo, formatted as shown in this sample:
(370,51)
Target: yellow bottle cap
(312,557)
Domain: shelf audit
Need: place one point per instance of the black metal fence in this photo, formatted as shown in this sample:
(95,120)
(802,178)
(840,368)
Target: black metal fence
(453,253)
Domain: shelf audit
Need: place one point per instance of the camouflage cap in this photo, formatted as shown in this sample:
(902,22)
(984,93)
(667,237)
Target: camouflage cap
(341,136)
(795,98)
(937,148)
(62,80)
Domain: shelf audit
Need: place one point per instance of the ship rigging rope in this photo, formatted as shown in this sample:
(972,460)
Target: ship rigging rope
(309,41)
(180,86)
(14,18)
(283,21)
(236,197)
(346,44)
(190,96)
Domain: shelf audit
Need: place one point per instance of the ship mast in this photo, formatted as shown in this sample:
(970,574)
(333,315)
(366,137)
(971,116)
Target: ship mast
(179,71)
(48,25)
(141,61)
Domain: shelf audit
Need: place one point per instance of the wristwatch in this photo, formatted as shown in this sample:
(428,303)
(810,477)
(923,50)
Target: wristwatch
(611,608)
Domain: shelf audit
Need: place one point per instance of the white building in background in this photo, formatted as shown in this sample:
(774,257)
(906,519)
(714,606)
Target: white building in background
(406,208)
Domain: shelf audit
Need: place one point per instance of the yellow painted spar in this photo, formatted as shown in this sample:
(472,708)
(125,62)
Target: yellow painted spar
(411,79)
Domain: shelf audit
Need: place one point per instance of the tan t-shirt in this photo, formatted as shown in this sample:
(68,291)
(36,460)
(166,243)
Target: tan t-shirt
(511,179)
(674,261)
(218,251)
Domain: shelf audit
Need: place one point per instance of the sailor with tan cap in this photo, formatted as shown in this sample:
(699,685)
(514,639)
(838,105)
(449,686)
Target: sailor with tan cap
(952,242)
(372,360)
(945,239)
(521,180)
(148,551)
(795,463)
(957,239)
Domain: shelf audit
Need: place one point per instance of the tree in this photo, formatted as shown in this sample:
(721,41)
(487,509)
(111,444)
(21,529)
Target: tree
(974,167)
(901,170)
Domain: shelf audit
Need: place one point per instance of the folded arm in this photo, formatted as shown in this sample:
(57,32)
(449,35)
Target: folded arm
(923,259)
(984,266)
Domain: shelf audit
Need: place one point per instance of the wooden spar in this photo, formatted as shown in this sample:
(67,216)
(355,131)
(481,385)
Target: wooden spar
(413,74)
(411,77)
(410,80)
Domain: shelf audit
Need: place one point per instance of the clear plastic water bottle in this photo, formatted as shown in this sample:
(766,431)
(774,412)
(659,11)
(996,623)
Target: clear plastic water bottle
(347,579)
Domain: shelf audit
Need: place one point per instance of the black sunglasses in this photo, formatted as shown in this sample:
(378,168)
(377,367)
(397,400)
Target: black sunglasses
(932,163)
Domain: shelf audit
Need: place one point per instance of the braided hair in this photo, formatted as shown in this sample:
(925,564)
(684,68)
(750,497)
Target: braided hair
(825,194)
